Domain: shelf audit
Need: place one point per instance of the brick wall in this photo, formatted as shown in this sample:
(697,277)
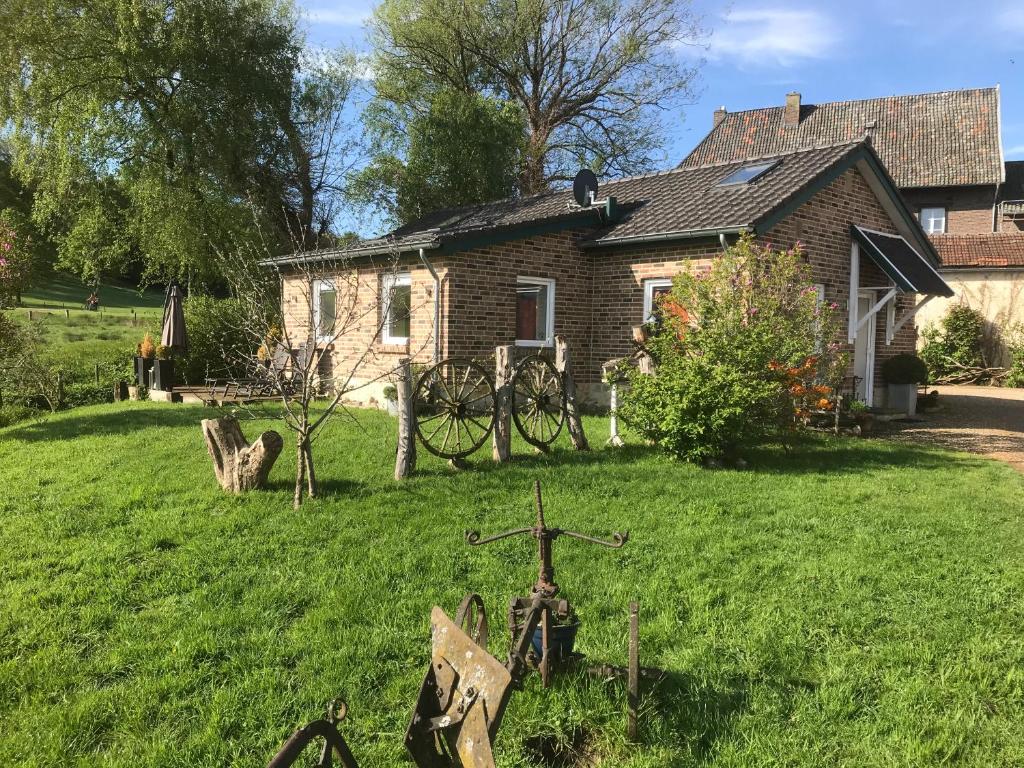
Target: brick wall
(822,225)
(599,292)
(968,209)
(359,349)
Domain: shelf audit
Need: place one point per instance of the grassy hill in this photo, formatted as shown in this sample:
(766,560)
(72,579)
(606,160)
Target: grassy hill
(78,339)
(63,291)
(851,603)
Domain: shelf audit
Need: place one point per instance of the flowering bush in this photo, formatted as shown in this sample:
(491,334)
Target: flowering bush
(744,352)
(15,261)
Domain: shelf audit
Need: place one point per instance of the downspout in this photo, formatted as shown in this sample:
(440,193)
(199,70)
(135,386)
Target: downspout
(721,239)
(437,305)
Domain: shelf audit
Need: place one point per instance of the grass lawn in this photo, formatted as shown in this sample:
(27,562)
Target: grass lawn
(854,603)
(85,338)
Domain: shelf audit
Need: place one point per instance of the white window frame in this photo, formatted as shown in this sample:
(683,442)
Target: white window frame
(649,285)
(945,219)
(388,284)
(549,341)
(318,288)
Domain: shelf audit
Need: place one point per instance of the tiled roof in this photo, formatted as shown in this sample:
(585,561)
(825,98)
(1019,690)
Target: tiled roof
(995,249)
(924,140)
(677,202)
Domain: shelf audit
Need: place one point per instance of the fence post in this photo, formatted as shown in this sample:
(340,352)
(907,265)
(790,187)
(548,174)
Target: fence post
(30,315)
(502,437)
(97,370)
(612,376)
(563,363)
(67,314)
(405,458)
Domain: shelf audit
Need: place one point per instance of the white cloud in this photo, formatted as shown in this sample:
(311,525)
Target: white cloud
(339,17)
(774,36)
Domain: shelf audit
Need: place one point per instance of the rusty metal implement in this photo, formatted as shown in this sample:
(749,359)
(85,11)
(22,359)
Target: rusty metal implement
(556,618)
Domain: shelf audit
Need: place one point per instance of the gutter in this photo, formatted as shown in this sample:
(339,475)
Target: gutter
(683,234)
(437,304)
(370,250)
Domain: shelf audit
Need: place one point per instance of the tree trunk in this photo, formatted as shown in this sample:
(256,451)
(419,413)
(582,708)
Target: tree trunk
(300,473)
(239,465)
(563,363)
(310,472)
(502,436)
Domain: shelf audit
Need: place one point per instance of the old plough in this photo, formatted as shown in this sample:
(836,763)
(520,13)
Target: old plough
(466,690)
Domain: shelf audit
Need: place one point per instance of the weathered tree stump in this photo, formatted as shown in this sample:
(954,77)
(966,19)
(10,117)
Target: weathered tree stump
(238,465)
(563,363)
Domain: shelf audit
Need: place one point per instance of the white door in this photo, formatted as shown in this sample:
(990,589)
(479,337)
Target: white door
(864,349)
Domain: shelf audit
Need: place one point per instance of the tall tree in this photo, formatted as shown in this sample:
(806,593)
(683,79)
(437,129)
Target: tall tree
(143,123)
(464,149)
(592,77)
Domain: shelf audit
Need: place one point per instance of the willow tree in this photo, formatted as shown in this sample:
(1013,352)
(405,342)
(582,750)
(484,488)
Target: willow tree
(592,79)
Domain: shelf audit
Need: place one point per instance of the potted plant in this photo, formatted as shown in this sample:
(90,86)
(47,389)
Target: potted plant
(902,374)
(163,369)
(145,352)
(391,399)
(862,416)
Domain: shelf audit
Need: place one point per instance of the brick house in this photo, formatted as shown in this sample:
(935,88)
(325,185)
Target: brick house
(945,154)
(521,271)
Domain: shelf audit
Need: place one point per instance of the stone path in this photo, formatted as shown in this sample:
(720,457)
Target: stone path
(985,420)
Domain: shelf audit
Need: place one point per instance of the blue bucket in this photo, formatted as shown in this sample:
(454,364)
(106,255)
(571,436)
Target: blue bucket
(562,636)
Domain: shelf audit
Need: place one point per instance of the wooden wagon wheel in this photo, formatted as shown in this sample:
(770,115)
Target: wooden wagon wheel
(538,401)
(454,408)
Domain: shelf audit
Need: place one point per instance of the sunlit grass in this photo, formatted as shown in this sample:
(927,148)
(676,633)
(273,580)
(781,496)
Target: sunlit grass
(851,603)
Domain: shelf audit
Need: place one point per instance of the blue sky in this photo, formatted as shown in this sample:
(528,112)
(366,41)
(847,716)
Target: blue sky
(828,51)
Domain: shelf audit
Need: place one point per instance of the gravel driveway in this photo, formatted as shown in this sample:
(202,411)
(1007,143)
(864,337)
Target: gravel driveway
(985,420)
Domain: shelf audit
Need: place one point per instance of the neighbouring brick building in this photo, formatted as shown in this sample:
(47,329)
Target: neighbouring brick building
(521,271)
(945,154)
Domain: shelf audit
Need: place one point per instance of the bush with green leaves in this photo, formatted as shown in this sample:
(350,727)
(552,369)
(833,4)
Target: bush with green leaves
(1014,337)
(218,344)
(729,347)
(905,369)
(956,344)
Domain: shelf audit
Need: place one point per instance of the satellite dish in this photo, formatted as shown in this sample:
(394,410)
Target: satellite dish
(584,187)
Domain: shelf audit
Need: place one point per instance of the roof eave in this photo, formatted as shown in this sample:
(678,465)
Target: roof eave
(343,254)
(658,237)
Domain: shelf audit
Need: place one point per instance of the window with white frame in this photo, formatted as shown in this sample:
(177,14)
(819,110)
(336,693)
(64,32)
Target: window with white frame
(325,309)
(535,312)
(396,308)
(654,289)
(933,220)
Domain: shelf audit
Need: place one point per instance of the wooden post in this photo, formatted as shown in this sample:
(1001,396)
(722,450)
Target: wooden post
(30,315)
(613,426)
(405,458)
(96,368)
(644,361)
(633,680)
(502,436)
(67,314)
(563,363)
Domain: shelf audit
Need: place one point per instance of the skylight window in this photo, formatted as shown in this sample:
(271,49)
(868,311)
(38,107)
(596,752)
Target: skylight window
(747,173)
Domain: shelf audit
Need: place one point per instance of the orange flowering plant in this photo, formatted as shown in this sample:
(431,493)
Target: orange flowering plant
(745,350)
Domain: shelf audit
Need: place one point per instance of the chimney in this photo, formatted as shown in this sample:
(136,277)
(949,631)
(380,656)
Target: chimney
(719,116)
(791,116)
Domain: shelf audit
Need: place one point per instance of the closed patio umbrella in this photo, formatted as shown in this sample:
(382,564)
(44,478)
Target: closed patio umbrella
(173,335)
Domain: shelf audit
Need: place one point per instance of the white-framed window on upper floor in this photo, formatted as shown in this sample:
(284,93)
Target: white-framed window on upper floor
(654,289)
(396,308)
(535,312)
(325,309)
(933,220)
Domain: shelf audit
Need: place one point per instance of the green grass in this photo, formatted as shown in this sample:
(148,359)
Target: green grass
(63,291)
(853,603)
(77,339)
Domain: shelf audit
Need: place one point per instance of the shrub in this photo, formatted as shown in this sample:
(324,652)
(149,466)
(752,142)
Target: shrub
(741,352)
(12,413)
(218,345)
(77,394)
(957,344)
(905,369)
(1015,347)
